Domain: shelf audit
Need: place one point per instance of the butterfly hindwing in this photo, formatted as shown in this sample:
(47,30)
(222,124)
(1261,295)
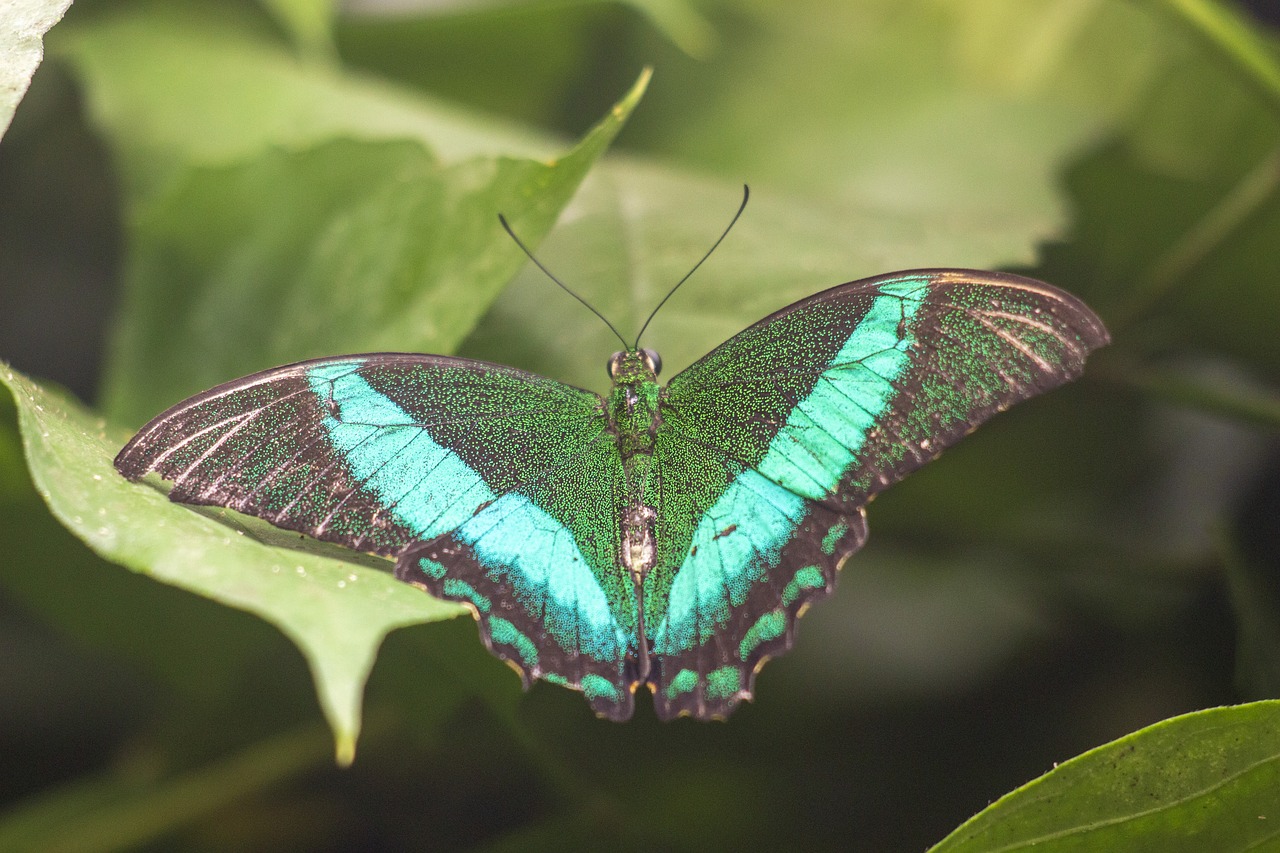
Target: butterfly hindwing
(726,591)
(796,422)
(385,451)
(539,563)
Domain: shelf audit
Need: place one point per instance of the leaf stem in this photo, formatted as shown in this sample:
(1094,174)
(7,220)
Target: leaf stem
(1258,406)
(122,814)
(1212,230)
(567,784)
(1230,34)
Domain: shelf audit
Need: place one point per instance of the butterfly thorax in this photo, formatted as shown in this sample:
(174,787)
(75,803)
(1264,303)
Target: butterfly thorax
(633,402)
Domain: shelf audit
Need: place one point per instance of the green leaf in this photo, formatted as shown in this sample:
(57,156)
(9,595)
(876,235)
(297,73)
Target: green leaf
(310,220)
(637,227)
(154,627)
(1203,781)
(1239,42)
(345,247)
(947,152)
(965,112)
(678,20)
(1178,204)
(522,60)
(336,612)
(310,22)
(944,110)
(181,86)
(536,60)
(22,28)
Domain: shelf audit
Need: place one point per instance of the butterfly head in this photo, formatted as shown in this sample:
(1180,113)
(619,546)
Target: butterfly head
(628,366)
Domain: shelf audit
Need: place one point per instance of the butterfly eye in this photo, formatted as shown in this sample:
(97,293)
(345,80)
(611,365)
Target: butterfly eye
(653,360)
(614,361)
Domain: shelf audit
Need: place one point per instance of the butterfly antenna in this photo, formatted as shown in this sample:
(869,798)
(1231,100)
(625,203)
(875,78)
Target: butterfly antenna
(563,286)
(746,194)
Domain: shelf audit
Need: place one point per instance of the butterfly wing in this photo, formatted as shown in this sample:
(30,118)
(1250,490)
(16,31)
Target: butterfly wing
(795,423)
(493,487)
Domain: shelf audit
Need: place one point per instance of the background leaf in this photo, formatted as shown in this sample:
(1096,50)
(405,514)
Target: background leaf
(347,246)
(184,85)
(309,21)
(115,814)
(534,50)
(664,220)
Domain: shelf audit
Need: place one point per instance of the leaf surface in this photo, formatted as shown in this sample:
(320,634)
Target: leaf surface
(336,612)
(1203,781)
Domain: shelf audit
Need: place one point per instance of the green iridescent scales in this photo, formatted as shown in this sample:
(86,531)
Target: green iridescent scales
(659,537)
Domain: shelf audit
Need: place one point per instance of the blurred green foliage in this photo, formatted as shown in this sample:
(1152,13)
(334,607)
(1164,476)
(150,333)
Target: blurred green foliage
(249,184)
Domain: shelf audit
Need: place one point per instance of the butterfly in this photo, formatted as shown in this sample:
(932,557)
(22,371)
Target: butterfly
(666,537)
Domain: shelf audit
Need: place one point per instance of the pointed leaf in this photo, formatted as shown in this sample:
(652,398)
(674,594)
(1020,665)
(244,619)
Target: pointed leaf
(23,24)
(1203,781)
(346,247)
(310,22)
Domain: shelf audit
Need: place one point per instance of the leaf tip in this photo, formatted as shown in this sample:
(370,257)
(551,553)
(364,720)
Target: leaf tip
(623,108)
(344,749)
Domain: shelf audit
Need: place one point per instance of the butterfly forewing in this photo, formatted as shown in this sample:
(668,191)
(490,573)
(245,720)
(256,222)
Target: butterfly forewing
(797,421)
(979,343)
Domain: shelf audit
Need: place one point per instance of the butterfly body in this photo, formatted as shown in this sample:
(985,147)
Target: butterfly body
(660,536)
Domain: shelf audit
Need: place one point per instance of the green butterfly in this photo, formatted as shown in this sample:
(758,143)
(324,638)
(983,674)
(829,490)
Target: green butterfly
(660,536)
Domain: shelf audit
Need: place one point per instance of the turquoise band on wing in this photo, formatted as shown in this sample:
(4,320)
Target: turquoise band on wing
(430,489)
(807,457)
